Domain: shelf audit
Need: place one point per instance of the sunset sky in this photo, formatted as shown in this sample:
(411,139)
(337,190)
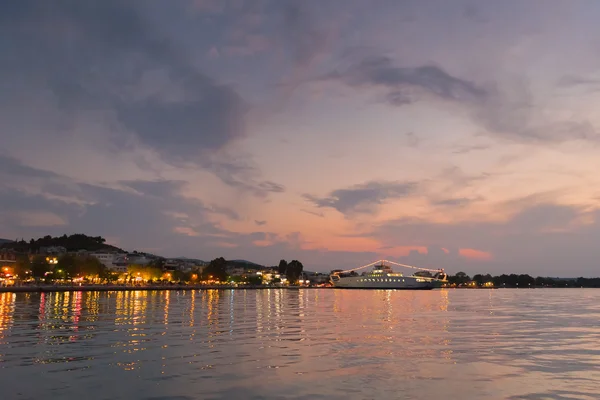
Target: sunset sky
(443,133)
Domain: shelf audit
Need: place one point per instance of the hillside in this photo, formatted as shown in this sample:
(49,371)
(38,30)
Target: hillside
(243,264)
(3,241)
(74,242)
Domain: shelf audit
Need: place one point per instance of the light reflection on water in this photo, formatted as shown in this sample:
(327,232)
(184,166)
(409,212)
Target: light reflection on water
(467,344)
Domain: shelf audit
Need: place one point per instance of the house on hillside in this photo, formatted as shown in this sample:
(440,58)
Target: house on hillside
(52,250)
(138,259)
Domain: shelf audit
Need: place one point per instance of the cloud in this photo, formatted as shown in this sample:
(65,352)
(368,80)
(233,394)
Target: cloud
(139,213)
(363,198)
(157,188)
(575,80)
(107,66)
(506,111)
(475,254)
(404,84)
(305,37)
(260,223)
(226,211)
(11,166)
(454,202)
(316,214)
(511,113)
(242,175)
(468,149)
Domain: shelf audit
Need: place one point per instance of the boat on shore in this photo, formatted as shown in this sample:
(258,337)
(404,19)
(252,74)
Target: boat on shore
(382,276)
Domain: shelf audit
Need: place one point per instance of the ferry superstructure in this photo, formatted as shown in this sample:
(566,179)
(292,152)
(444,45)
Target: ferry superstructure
(382,276)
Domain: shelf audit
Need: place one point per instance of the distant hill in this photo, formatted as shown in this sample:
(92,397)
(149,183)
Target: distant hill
(196,260)
(243,264)
(3,241)
(74,242)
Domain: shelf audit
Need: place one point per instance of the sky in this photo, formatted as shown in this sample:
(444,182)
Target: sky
(455,134)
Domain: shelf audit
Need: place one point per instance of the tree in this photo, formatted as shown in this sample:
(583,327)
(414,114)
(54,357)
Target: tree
(478,278)
(282,267)
(255,280)
(180,276)
(217,268)
(68,263)
(22,266)
(459,278)
(39,267)
(293,272)
(146,272)
(90,266)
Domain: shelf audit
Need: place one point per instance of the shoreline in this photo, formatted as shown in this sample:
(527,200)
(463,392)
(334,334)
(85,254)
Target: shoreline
(117,288)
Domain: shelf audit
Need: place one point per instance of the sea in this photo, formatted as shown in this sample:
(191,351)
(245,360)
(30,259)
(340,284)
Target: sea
(301,344)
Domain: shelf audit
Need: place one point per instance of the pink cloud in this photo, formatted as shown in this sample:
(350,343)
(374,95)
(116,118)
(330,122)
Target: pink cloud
(475,254)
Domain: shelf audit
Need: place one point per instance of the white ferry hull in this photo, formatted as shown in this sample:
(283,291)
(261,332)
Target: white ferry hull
(407,283)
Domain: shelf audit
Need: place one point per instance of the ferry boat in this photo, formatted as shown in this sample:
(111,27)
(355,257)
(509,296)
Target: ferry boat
(382,276)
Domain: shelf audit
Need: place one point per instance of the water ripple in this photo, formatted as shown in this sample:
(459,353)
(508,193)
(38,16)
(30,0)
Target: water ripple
(305,344)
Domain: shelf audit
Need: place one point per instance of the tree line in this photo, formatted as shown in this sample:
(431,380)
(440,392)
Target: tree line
(67,267)
(521,280)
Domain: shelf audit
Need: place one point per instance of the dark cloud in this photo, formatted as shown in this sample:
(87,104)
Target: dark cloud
(242,175)
(574,80)
(143,214)
(507,112)
(226,211)
(468,149)
(305,36)
(108,56)
(11,166)
(362,198)
(402,82)
(158,188)
(511,113)
(316,214)
(260,223)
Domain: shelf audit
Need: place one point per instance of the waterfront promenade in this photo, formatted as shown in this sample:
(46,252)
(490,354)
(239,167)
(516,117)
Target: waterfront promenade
(111,288)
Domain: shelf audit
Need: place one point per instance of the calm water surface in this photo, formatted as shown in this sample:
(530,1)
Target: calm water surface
(305,344)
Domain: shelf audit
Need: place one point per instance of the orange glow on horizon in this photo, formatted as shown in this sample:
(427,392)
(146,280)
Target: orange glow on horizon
(475,254)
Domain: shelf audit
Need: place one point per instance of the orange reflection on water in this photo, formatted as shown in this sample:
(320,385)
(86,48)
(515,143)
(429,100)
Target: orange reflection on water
(92,300)
(76,313)
(192,307)
(7,310)
(139,306)
(167,303)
